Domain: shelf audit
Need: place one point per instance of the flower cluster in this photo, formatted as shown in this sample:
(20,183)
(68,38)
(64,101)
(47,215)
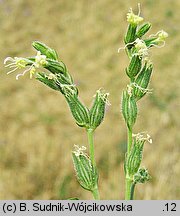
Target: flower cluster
(58,78)
(139,71)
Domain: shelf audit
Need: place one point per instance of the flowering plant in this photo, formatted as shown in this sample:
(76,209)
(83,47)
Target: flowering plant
(47,68)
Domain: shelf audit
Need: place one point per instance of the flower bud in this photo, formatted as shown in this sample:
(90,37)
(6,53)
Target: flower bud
(141,176)
(45,50)
(134,159)
(78,110)
(134,66)
(87,175)
(142,81)
(129,108)
(143,30)
(97,110)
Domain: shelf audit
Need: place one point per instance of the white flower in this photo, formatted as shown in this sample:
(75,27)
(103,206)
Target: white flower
(20,63)
(162,35)
(159,38)
(141,48)
(40,60)
(15,63)
(133,19)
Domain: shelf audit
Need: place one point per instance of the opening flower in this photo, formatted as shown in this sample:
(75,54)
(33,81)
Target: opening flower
(21,63)
(15,63)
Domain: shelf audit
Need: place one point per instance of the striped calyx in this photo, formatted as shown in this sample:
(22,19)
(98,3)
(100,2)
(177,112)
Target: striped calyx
(142,81)
(133,21)
(133,160)
(45,50)
(143,29)
(97,110)
(79,111)
(129,108)
(134,66)
(87,175)
(130,34)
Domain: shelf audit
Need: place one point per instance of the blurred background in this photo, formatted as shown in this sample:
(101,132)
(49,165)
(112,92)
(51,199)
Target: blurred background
(37,132)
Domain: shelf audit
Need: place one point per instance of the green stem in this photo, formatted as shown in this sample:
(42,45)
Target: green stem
(90,133)
(95,193)
(128,189)
(132,191)
(128,181)
(129,141)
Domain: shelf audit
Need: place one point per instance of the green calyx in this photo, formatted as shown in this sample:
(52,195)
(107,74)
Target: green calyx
(45,50)
(97,110)
(130,35)
(129,109)
(79,111)
(134,66)
(133,160)
(143,29)
(87,175)
(142,81)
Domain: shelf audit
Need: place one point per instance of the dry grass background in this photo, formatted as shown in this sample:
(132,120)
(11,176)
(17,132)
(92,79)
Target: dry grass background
(37,132)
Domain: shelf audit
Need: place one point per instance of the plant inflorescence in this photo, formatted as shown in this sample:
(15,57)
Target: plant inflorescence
(56,76)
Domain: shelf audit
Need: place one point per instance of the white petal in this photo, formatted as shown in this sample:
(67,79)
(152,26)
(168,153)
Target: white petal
(12,70)
(8,59)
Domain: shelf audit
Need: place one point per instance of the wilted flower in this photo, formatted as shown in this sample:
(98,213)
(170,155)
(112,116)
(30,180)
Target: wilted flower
(142,137)
(132,18)
(162,35)
(141,48)
(86,173)
(97,110)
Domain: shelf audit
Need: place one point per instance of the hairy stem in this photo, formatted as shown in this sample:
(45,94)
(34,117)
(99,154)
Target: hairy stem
(90,133)
(128,181)
(129,144)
